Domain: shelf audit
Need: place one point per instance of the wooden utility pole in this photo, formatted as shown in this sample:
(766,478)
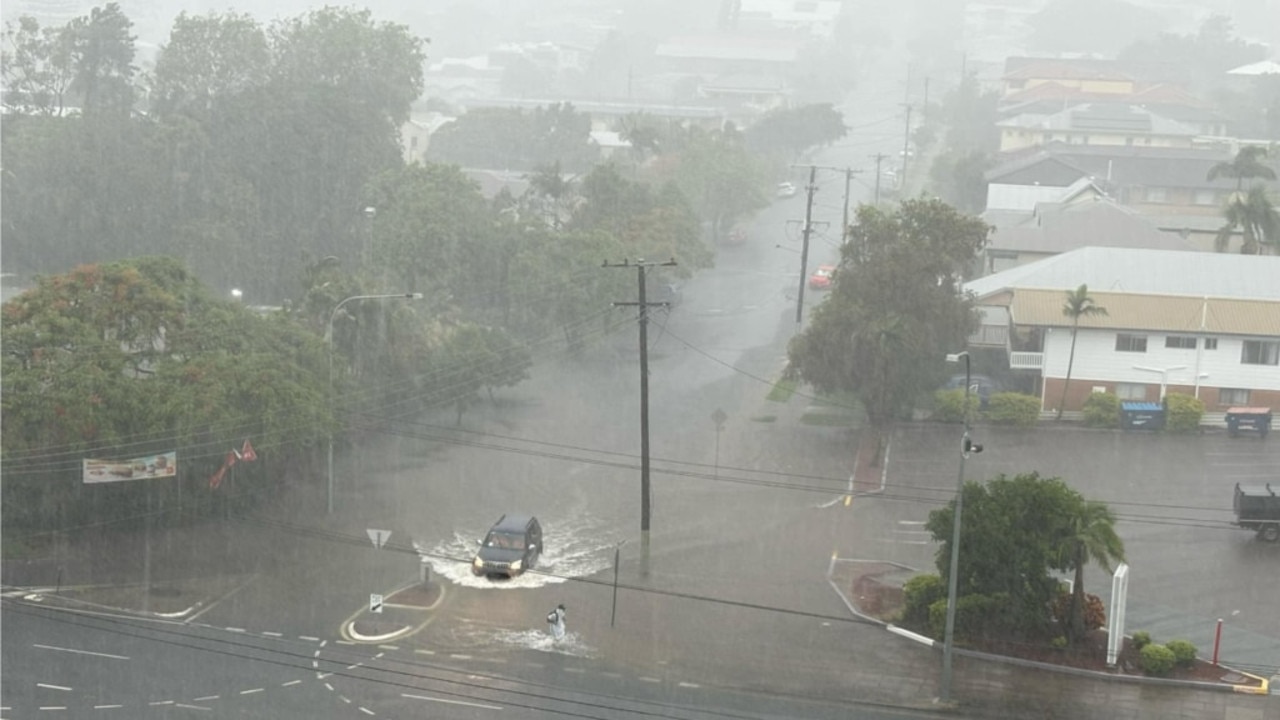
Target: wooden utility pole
(906,148)
(644,306)
(804,250)
(879,158)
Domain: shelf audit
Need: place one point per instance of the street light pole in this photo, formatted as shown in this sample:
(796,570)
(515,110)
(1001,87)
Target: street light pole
(328,336)
(966,447)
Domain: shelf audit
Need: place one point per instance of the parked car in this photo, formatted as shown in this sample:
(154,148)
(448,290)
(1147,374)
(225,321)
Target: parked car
(822,277)
(786,190)
(980,385)
(511,547)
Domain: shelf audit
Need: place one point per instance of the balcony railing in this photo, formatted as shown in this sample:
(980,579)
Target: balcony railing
(1026,360)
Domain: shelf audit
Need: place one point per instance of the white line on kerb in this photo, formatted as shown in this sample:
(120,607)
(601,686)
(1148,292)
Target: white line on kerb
(81,652)
(451,702)
(53,687)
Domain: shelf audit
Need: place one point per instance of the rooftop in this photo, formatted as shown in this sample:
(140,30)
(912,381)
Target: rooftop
(1060,228)
(1158,313)
(1144,271)
(1100,117)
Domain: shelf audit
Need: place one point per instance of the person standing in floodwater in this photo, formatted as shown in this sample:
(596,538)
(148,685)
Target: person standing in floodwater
(555,622)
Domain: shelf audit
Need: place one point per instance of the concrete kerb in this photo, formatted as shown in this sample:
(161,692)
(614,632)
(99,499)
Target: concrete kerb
(1262,689)
(47,598)
(348,629)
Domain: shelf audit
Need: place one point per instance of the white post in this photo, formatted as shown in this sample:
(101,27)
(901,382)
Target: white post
(1115,623)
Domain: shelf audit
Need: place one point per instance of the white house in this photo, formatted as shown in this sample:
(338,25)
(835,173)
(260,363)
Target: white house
(1204,324)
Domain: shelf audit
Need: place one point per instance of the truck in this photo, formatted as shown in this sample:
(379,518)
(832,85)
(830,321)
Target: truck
(1257,508)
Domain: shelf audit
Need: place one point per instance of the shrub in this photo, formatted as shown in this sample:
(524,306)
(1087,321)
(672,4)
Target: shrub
(976,615)
(1011,408)
(1095,613)
(949,405)
(1141,639)
(1184,653)
(918,594)
(1182,413)
(1059,642)
(1102,410)
(1157,660)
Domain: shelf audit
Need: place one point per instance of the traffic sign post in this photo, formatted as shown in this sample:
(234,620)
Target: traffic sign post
(378,537)
(375,603)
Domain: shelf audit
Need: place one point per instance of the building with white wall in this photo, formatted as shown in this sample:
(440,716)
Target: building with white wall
(1204,324)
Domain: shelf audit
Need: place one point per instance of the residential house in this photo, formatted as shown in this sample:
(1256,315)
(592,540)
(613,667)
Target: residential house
(1112,124)
(1169,184)
(1113,78)
(816,18)
(1203,324)
(1084,219)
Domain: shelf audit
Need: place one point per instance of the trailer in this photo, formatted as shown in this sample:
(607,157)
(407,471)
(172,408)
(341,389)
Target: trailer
(1257,508)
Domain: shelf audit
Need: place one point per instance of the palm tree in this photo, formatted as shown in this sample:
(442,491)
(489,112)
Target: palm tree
(1257,219)
(1246,164)
(1078,304)
(1091,537)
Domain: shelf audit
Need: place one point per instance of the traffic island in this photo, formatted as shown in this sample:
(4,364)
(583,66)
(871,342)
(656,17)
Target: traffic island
(174,599)
(398,614)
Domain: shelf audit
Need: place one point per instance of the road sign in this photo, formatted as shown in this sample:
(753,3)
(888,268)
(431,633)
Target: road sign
(378,537)
(375,603)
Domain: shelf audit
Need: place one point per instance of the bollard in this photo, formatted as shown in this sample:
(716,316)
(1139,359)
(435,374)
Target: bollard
(424,572)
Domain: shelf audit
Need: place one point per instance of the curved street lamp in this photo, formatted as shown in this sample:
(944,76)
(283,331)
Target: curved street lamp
(328,336)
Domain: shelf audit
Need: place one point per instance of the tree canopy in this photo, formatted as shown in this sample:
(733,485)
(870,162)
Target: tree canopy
(895,309)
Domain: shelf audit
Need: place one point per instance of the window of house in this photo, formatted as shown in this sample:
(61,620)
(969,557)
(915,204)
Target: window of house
(1233,396)
(1131,343)
(1205,197)
(1211,343)
(1260,352)
(1131,391)
(1157,195)
(1180,342)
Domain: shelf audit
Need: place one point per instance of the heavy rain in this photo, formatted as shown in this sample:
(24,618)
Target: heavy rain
(634,359)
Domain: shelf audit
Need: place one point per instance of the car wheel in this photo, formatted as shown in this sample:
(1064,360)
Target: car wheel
(1269,533)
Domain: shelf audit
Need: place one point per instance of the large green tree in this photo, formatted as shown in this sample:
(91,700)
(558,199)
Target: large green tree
(1090,537)
(209,57)
(1255,218)
(1012,534)
(1248,164)
(787,132)
(896,308)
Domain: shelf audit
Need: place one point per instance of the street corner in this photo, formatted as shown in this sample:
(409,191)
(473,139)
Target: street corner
(870,589)
(395,615)
(179,599)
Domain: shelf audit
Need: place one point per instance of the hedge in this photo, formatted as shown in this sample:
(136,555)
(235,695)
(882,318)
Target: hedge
(1011,408)
(1183,413)
(1102,410)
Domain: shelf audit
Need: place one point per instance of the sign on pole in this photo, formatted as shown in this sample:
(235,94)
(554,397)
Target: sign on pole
(378,537)
(375,603)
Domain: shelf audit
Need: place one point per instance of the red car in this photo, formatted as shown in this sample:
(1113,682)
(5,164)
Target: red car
(821,278)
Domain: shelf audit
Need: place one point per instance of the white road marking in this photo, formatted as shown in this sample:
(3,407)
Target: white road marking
(236,630)
(345,699)
(389,647)
(425,652)
(82,652)
(268,633)
(689,685)
(206,697)
(107,707)
(315,663)
(649,680)
(53,707)
(327,685)
(53,687)
(192,707)
(316,654)
(251,691)
(378,656)
(353,667)
(365,710)
(460,657)
(323,643)
(291,682)
(160,702)
(451,702)
(308,638)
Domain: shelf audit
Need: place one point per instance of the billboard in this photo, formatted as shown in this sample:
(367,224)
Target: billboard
(149,467)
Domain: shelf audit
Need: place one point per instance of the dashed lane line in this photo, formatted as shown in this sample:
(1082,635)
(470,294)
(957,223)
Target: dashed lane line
(366,710)
(107,707)
(185,706)
(291,683)
(53,687)
(206,697)
(251,691)
(80,652)
(450,702)
(158,703)
(268,633)
(308,638)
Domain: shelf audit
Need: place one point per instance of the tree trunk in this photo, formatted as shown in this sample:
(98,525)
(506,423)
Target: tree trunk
(1075,623)
(1071,361)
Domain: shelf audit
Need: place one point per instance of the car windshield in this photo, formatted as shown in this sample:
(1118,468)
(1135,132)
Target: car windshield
(505,541)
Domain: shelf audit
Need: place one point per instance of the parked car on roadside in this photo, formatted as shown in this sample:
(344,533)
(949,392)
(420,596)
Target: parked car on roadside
(786,190)
(822,277)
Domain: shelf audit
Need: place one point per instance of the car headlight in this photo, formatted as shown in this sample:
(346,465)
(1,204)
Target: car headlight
(477,562)
(517,565)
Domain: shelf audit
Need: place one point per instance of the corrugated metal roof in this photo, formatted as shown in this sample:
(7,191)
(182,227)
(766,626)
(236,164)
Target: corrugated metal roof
(1143,271)
(1158,313)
